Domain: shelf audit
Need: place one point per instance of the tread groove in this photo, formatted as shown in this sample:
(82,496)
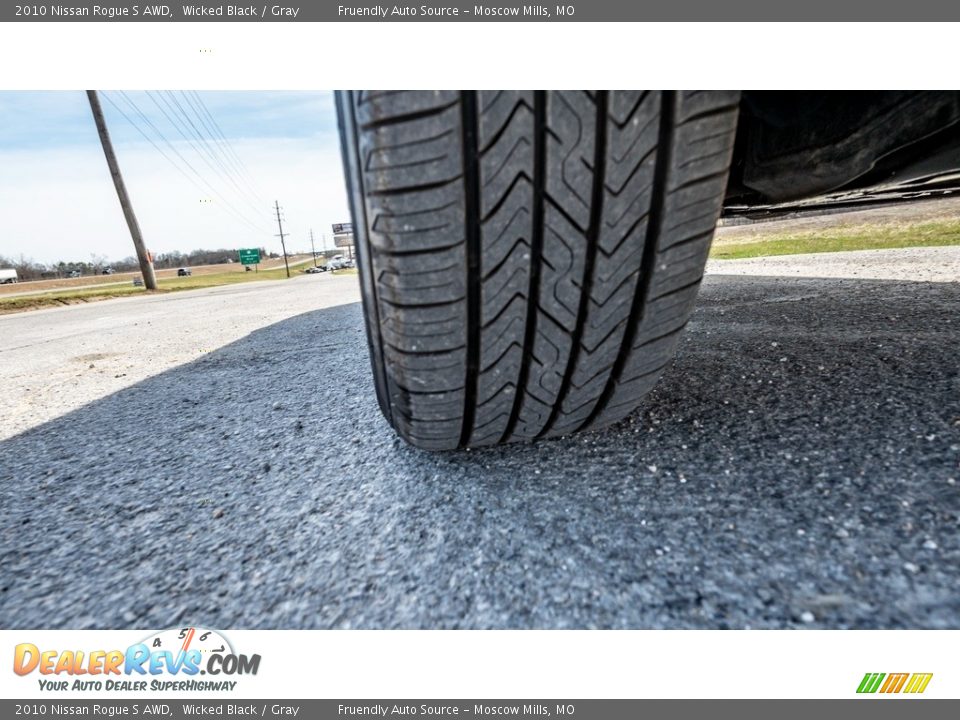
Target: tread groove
(711,113)
(536,253)
(593,242)
(406,117)
(648,261)
(697,180)
(471,174)
(386,192)
(506,124)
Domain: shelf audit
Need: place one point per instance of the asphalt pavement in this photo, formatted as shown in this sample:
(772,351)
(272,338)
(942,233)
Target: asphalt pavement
(797,466)
(61,359)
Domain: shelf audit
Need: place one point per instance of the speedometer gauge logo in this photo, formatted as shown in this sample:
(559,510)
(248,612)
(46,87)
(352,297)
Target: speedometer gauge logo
(189,638)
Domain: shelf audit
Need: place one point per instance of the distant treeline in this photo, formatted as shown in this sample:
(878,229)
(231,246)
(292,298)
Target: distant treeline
(28,269)
(196,257)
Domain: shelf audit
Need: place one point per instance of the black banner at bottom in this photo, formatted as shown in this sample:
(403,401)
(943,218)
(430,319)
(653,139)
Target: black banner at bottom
(872,708)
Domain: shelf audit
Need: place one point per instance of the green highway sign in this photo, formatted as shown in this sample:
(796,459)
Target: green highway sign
(249,256)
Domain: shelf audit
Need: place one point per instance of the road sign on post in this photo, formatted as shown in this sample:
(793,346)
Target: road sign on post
(249,256)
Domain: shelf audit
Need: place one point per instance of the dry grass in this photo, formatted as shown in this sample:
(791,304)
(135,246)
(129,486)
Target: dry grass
(127,277)
(837,239)
(167,283)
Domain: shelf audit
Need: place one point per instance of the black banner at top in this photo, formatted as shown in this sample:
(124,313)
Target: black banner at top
(493,11)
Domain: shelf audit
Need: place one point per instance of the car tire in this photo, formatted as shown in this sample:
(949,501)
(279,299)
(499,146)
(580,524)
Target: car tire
(528,259)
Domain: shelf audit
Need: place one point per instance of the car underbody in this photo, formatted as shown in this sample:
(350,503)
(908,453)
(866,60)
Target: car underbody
(842,148)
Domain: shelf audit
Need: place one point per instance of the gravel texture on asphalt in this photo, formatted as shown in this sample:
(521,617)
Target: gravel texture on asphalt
(797,466)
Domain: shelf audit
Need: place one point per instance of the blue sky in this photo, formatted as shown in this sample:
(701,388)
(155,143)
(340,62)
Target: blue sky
(57,201)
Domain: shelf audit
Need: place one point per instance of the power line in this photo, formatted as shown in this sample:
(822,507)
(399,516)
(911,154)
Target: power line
(186,162)
(225,173)
(232,151)
(236,211)
(170,145)
(150,140)
(216,146)
(212,128)
(203,140)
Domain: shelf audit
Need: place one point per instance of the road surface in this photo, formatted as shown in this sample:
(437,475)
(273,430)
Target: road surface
(59,359)
(797,466)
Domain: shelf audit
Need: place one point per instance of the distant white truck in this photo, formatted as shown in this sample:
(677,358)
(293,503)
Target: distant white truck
(8,276)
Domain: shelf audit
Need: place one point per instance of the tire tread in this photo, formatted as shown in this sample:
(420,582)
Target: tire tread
(529,258)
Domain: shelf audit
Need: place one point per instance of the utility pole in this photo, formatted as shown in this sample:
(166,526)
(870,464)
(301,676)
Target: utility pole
(276,204)
(146,261)
(313,248)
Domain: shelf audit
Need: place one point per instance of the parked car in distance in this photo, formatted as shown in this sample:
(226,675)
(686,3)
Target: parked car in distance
(313,270)
(74,274)
(337,262)
(108,271)
(184,272)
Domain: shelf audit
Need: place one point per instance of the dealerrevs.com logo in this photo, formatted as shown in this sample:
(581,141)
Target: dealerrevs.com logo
(170,660)
(890,683)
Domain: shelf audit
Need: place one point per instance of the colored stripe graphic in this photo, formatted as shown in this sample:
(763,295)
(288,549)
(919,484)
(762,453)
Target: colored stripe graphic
(870,682)
(918,682)
(894,683)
